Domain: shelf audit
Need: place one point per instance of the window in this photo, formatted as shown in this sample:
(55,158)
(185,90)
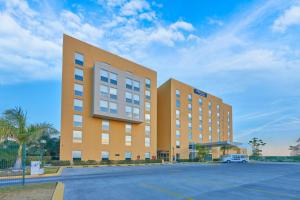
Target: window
(177,103)
(200,101)
(148,83)
(103,90)
(104,75)
(113,93)
(177,144)
(104,155)
(136,99)
(190,116)
(147,118)
(136,113)
(77,120)
(200,127)
(128,128)
(190,135)
(148,94)
(190,97)
(209,113)
(177,93)
(147,156)
(136,86)
(77,136)
(189,106)
(218,107)
(79,59)
(113,107)
(113,78)
(177,123)
(147,131)
(128,155)
(147,142)
(128,111)
(103,106)
(78,74)
(177,114)
(78,105)
(105,125)
(200,111)
(147,106)
(177,133)
(209,138)
(105,138)
(201,138)
(190,125)
(200,118)
(76,155)
(128,97)
(210,129)
(209,105)
(78,90)
(128,83)
(128,140)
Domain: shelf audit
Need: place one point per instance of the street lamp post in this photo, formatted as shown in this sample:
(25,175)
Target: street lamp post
(42,143)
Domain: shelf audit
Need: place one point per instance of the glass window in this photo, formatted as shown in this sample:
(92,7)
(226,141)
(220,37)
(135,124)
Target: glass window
(209,105)
(103,106)
(113,78)
(128,111)
(128,83)
(177,144)
(76,155)
(105,138)
(177,133)
(104,90)
(113,93)
(128,97)
(200,101)
(104,155)
(190,125)
(78,74)
(189,106)
(147,106)
(218,107)
(200,110)
(210,129)
(147,156)
(77,120)
(209,138)
(147,142)
(177,93)
(128,155)
(77,136)
(190,135)
(105,125)
(128,140)
(79,59)
(177,103)
(190,116)
(177,114)
(189,97)
(136,99)
(78,105)
(147,131)
(136,86)
(148,94)
(104,75)
(177,123)
(147,117)
(78,90)
(201,138)
(136,113)
(209,113)
(148,83)
(128,128)
(113,108)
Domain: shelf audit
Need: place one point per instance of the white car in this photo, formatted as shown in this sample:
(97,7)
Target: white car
(228,158)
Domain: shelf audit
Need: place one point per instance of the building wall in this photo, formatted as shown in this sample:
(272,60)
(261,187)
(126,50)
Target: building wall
(163,122)
(91,146)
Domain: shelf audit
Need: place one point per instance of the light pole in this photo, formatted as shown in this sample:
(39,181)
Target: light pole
(42,143)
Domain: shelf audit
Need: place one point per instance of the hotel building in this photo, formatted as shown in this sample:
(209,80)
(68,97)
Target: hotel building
(189,116)
(109,106)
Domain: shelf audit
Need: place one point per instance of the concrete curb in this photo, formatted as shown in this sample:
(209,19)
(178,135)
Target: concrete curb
(59,191)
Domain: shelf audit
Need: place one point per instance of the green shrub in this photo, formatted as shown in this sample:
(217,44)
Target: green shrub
(60,162)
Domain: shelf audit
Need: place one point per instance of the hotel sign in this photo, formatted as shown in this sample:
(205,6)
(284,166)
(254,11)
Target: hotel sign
(200,93)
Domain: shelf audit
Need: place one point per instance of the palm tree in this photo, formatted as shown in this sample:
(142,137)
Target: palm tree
(13,125)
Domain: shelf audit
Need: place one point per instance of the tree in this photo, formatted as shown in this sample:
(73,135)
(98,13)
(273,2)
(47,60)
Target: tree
(13,126)
(295,150)
(202,152)
(256,145)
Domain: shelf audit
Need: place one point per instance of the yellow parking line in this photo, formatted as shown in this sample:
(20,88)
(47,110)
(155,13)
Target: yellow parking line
(165,191)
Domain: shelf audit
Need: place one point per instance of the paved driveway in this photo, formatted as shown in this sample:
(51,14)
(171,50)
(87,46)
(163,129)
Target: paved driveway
(185,181)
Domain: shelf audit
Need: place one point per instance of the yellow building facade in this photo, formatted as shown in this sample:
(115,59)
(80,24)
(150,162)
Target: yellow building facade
(109,106)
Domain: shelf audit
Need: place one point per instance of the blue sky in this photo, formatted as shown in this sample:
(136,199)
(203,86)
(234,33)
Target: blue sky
(246,52)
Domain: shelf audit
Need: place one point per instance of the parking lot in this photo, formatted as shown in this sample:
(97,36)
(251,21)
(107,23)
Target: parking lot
(185,181)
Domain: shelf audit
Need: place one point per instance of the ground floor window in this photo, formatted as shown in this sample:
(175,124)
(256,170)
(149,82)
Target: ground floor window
(76,155)
(105,155)
(128,155)
(147,156)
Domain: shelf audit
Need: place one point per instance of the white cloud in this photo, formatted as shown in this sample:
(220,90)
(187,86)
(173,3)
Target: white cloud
(290,17)
(133,7)
(182,25)
(213,21)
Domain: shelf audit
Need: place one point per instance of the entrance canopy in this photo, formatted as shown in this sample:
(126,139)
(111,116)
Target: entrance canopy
(221,144)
